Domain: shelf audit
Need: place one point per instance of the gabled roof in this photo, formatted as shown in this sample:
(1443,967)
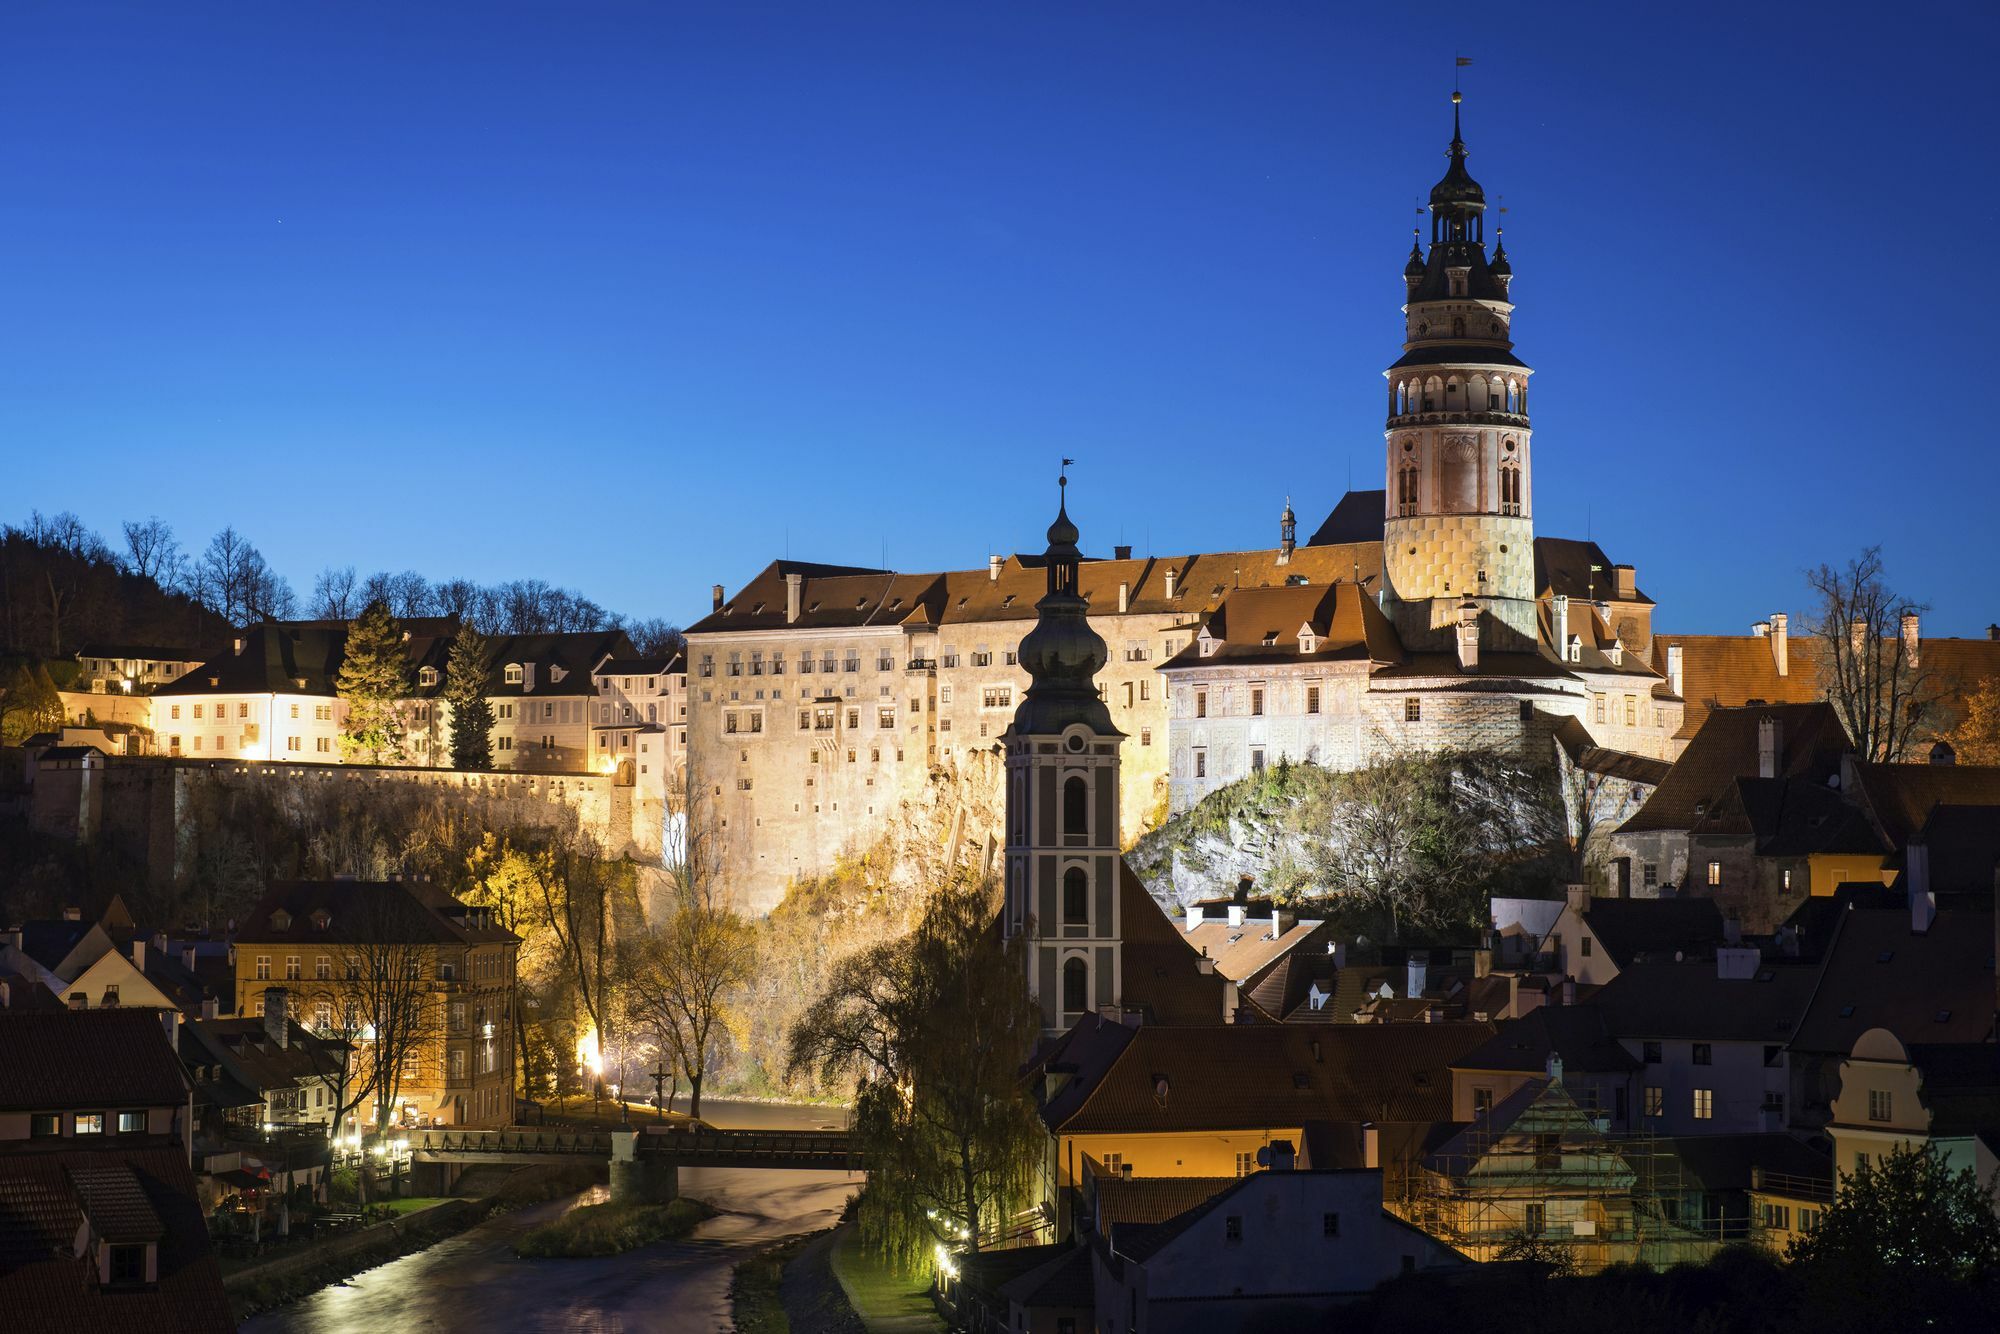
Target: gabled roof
(1787,817)
(1900,797)
(1243,953)
(1963,844)
(576,654)
(125,1194)
(360,911)
(1811,743)
(1358,517)
(1631,930)
(1264,624)
(1564,565)
(1138,1199)
(54,1060)
(1933,987)
(1257,1076)
(1574,1032)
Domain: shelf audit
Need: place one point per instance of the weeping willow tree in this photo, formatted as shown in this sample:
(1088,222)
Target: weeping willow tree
(932,1031)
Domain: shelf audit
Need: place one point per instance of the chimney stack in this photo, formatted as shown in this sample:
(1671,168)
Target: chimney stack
(1912,643)
(795,584)
(210,1007)
(993,567)
(1674,668)
(1917,874)
(1371,1145)
(139,955)
(1418,980)
(1770,746)
(715,597)
(275,1028)
(1857,636)
(187,957)
(1468,636)
(1627,582)
(1121,553)
(1173,582)
(1761,629)
(1124,598)
(1781,651)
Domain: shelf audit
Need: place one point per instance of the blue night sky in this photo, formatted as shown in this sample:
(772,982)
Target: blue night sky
(636,297)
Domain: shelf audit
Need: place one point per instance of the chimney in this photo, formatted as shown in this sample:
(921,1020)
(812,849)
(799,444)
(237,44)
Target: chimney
(1912,643)
(187,957)
(1468,636)
(1559,617)
(1193,916)
(1993,633)
(1279,1155)
(1770,746)
(170,1020)
(1761,629)
(1124,598)
(210,1007)
(1857,636)
(1121,553)
(1204,965)
(1513,996)
(795,584)
(1419,976)
(1228,1001)
(1674,669)
(1173,582)
(1917,870)
(139,955)
(1923,911)
(1371,1145)
(275,1028)
(1627,581)
(715,597)
(1236,914)
(1482,963)
(1781,651)
(993,565)
(6,994)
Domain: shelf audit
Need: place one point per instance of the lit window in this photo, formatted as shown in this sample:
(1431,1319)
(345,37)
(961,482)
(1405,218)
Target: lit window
(1413,710)
(1878,1105)
(87,1123)
(131,1123)
(1715,873)
(1656,1100)
(1704,1104)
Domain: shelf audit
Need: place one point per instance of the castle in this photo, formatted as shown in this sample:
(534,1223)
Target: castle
(828,703)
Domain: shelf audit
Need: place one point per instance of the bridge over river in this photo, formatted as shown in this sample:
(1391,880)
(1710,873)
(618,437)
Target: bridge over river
(645,1161)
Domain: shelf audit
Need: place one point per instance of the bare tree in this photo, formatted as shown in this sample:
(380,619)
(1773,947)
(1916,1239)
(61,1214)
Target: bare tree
(233,580)
(456,597)
(152,552)
(398,1016)
(656,638)
(1875,677)
(577,895)
(63,580)
(335,597)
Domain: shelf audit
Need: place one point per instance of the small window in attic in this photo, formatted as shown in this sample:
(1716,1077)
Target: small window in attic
(281,920)
(1271,639)
(321,919)
(961,603)
(1007,601)
(813,607)
(756,608)
(895,603)
(1886,956)
(859,603)
(1944,1016)
(1847,1012)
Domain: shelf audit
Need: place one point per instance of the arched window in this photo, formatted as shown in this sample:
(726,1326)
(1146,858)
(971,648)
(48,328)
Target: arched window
(1431,389)
(1510,487)
(1406,489)
(1513,398)
(1076,986)
(1458,326)
(1402,399)
(1076,897)
(1076,811)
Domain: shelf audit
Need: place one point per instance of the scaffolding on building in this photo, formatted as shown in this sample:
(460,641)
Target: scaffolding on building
(1542,1178)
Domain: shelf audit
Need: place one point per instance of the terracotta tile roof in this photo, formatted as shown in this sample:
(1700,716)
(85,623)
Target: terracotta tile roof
(53,1060)
(1811,742)
(1263,625)
(1936,986)
(406,911)
(1688,1000)
(1900,797)
(1244,953)
(1253,1076)
(1284,990)
(1563,565)
(1162,971)
(1153,1199)
(139,1195)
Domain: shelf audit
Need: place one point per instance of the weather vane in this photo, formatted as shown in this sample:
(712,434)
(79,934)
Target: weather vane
(1062,477)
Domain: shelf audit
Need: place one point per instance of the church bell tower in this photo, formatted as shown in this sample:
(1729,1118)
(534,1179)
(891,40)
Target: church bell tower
(1062,803)
(1459,524)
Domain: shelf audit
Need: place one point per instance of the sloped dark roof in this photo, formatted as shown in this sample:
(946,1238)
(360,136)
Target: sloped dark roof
(1900,797)
(1575,1032)
(1811,743)
(129,1061)
(1153,1199)
(1726,1162)
(135,1194)
(1563,565)
(1964,845)
(360,911)
(1162,971)
(1358,517)
(1630,930)
(1787,817)
(1935,986)
(1688,1000)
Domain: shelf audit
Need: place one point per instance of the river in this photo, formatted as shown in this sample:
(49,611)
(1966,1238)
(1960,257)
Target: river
(474,1281)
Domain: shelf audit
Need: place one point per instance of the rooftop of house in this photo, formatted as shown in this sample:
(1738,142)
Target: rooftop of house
(357,912)
(1786,817)
(55,1060)
(1248,1076)
(1632,930)
(245,1050)
(1730,1162)
(1584,752)
(114,651)
(1576,1033)
(1163,973)
(1810,740)
(1962,849)
(1137,1199)
(1286,988)
(1694,1001)
(1900,797)
(1932,986)
(1336,622)
(122,1195)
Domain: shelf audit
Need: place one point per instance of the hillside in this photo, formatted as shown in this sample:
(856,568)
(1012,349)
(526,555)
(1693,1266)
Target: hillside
(1420,841)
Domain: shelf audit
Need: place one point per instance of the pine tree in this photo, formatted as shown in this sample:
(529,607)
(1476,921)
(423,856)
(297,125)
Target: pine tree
(465,691)
(373,680)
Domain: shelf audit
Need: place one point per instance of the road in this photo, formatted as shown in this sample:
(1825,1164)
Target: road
(474,1281)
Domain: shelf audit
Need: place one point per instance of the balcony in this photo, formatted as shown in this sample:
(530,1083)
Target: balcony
(927,666)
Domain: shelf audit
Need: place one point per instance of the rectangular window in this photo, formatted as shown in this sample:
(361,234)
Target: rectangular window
(87,1123)
(1536,1220)
(1656,1100)
(885,718)
(1257,760)
(1413,710)
(324,745)
(1597,704)
(1329,1225)
(322,968)
(1482,1102)
(1631,710)
(43,1124)
(263,967)
(1201,764)
(291,967)
(1145,736)
(1256,701)
(1649,875)
(1704,1104)
(1312,699)
(1878,1104)
(1715,873)
(997,697)
(127,1264)
(1201,704)
(131,1123)
(457,1064)
(1246,1163)
(1704,1054)
(1584,945)
(1232,1226)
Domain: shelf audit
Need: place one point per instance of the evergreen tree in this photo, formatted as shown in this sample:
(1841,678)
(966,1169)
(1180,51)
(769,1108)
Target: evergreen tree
(373,680)
(465,690)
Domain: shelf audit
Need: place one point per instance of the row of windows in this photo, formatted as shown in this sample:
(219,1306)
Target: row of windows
(42,1125)
(1437,394)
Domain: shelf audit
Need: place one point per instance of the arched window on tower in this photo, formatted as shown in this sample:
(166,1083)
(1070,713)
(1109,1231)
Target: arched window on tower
(1402,399)
(1076,897)
(1406,488)
(1075,987)
(1458,326)
(1432,387)
(1076,812)
(1513,397)
(1510,485)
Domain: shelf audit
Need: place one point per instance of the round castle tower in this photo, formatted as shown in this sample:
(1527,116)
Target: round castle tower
(1459,523)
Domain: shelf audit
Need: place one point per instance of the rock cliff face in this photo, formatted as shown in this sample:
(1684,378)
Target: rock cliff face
(1439,832)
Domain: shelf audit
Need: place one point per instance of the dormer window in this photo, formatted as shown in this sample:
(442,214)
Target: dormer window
(1575,648)
(1208,643)
(513,673)
(281,920)
(321,919)
(427,676)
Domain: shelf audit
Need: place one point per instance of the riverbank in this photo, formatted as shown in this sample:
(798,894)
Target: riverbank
(791,1289)
(288,1278)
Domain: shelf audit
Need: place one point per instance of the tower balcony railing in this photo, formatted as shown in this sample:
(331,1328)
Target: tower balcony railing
(1455,417)
(921,665)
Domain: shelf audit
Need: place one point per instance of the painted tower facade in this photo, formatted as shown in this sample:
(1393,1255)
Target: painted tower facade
(1062,860)
(1459,524)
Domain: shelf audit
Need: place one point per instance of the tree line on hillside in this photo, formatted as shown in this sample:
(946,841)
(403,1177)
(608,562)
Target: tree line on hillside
(62,586)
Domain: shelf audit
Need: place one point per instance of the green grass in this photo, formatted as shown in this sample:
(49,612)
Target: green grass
(610,1229)
(883,1297)
(411,1204)
(755,1300)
